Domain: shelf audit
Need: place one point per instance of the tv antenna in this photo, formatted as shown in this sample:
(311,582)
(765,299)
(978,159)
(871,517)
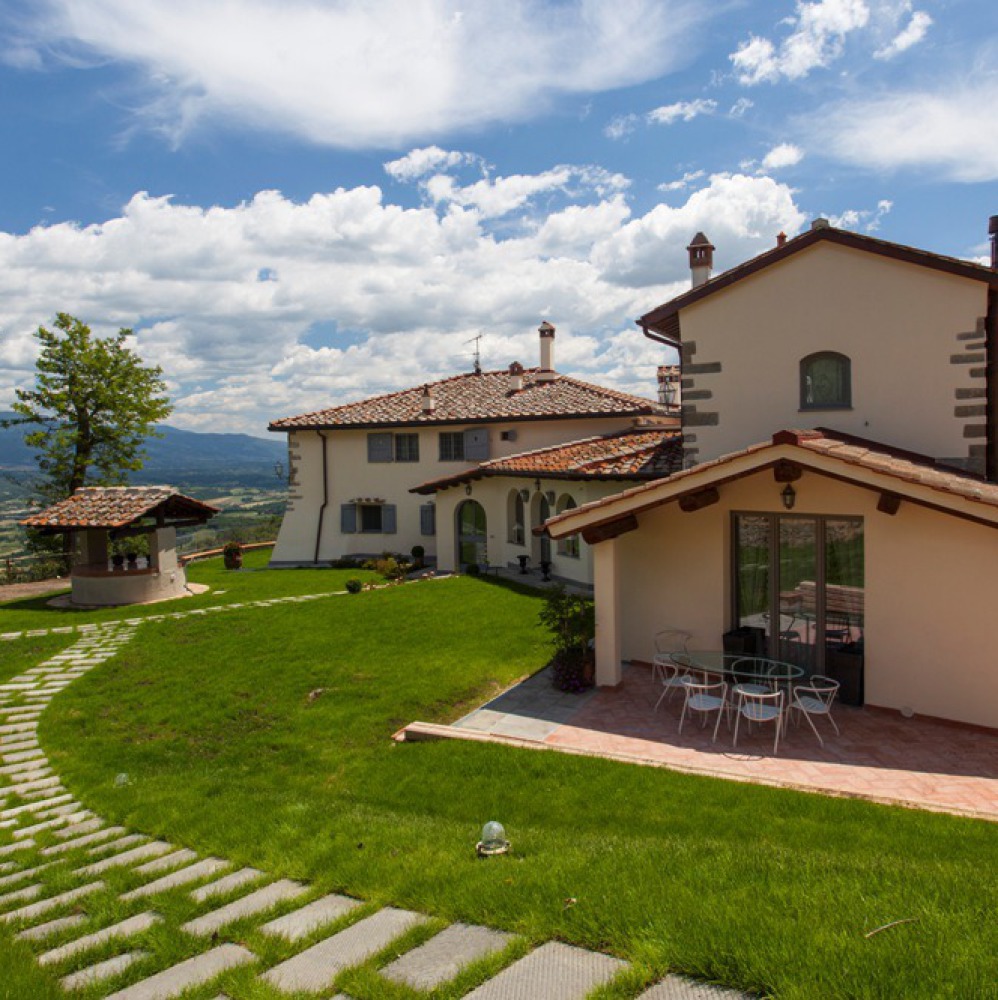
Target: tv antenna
(477,341)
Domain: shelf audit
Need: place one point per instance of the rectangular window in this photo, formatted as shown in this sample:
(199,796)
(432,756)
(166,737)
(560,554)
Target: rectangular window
(370,518)
(427,519)
(406,447)
(451,446)
(379,447)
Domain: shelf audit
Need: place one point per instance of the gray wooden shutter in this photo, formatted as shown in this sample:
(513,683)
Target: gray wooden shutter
(388,519)
(476,444)
(348,518)
(427,519)
(379,448)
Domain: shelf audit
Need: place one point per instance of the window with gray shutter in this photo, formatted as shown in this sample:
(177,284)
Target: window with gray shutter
(388,519)
(348,518)
(379,447)
(476,444)
(451,446)
(427,519)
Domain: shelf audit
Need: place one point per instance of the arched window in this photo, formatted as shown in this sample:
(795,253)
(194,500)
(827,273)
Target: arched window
(825,381)
(516,517)
(567,546)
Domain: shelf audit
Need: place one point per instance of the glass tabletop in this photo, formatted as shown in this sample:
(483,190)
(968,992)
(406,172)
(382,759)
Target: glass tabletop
(738,665)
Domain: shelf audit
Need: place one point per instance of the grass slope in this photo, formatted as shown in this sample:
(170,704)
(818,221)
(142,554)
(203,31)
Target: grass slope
(763,889)
(18,655)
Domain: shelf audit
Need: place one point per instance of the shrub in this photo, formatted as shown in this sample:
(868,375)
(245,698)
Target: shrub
(232,555)
(354,586)
(418,554)
(473,569)
(571,620)
(390,567)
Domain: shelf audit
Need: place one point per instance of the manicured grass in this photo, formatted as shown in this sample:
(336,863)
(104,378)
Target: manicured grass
(28,651)
(252,583)
(263,736)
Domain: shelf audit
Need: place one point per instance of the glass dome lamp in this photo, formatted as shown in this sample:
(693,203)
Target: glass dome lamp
(493,840)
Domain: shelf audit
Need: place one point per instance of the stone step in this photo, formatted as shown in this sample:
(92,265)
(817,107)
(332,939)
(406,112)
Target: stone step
(34,806)
(17,727)
(33,786)
(21,845)
(123,929)
(22,767)
(193,873)
(86,827)
(20,895)
(680,988)
(300,923)
(225,885)
(315,968)
(101,971)
(166,862)
(151,850)
(194,972)
(33,910)
(246,906)
(129,840)
(442,957)
(554,971)
(21,875)
(20,756)
(90,838)
(51,927)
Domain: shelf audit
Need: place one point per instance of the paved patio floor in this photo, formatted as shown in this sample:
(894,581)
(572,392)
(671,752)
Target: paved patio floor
(879,755)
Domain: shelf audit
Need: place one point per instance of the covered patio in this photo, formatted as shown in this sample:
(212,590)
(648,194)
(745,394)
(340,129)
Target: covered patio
(880,755)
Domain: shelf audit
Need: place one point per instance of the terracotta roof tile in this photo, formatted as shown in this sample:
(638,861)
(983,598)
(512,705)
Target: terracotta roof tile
(637,453)
(115,507)
(480,397)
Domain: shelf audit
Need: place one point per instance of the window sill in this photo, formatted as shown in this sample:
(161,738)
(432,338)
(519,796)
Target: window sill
(827,406)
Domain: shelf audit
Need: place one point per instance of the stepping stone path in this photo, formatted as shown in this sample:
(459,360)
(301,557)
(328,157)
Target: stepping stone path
(56,908)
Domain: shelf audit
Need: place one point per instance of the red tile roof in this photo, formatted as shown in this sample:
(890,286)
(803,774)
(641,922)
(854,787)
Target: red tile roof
(906,468)
(116,507)
(637,453)
(479,397)
(662,320)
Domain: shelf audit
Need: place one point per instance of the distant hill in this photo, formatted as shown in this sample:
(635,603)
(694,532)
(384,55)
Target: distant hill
(179,457)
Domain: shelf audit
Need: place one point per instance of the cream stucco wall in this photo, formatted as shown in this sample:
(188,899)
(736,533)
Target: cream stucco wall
(350,475)
(931,591)
(898,323)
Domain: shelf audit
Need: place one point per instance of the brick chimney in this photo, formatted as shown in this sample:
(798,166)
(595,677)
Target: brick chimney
(515,377)
(701,252)
(547,372)
(429,403)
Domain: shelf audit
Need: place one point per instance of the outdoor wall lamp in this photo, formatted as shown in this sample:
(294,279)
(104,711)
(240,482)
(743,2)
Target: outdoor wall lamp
(524,495)
(789,496)
(537,486)
(467,489)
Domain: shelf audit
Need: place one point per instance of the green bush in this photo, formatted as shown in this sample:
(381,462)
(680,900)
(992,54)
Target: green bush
(473,569)
(571,620)
(354,586)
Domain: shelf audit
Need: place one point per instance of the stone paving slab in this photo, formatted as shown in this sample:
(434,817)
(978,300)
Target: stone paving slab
(681,988)
(90,838)
(166,862)
(315,968)
(226,884)
(86,827)
(21,845)
(117,845)
(100,971)
(141,853)
(20,895)
(445,955)
(194,972)
(33,910)
(300,923)
(192,873)
(554,971)
(51,927)
(35,806)
(245,906)
(20,755)
(123,929)
(25,873)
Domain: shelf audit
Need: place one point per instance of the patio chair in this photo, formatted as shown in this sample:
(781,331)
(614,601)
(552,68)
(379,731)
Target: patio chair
(757,707)
(705,698)
(815,698)
(665,668)
(760,670)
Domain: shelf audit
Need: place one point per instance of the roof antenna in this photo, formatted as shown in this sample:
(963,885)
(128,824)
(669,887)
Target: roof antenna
(477,341)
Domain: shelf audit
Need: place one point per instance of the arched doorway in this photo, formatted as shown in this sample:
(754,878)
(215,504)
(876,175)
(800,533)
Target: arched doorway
(471,533)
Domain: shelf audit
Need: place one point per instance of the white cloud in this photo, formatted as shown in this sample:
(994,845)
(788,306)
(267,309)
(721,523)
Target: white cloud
(620,127)
(817,39)
(740,106)
(951,132)
(364,296)
(910,35)
(683,182)
(356,75)
(682,111)
(867,219)
(419,162)
(784,155)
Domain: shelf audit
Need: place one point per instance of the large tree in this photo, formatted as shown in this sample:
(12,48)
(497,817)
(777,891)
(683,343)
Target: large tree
(92,406)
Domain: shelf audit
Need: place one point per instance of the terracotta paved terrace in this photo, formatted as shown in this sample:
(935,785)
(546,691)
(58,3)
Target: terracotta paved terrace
(879,755)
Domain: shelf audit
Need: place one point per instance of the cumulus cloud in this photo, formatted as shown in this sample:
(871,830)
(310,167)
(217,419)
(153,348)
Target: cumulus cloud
(863,218)
(420,162)
(685,111)
(951,132)
(275,306)
(817,38)
(681,183)
(910,35)
(784,155)
(352,75)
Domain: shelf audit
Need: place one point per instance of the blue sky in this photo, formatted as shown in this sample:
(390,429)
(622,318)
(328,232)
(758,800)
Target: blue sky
(301,203)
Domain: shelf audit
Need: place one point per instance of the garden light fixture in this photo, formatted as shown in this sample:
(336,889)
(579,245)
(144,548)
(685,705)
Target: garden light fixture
(493,840)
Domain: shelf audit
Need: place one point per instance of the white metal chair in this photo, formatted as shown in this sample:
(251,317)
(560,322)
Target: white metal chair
(705,698)
(815,698)
(759,670)
(667,665)
(759,707)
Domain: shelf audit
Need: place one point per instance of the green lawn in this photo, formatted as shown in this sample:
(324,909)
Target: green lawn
(21,654)
(252,583)
(768,890)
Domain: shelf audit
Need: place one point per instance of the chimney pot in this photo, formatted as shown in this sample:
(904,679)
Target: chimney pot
(781,238)
(515,376)
(820,223)
(701,252)
(429,403)
(546,331)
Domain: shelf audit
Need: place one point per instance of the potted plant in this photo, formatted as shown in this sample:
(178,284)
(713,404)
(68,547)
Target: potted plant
(232,555)
(418,553)
(132,558)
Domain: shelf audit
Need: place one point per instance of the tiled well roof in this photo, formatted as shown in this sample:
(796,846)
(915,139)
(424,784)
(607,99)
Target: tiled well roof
(905,468)
(638,453)
(480,397)
(116,507)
